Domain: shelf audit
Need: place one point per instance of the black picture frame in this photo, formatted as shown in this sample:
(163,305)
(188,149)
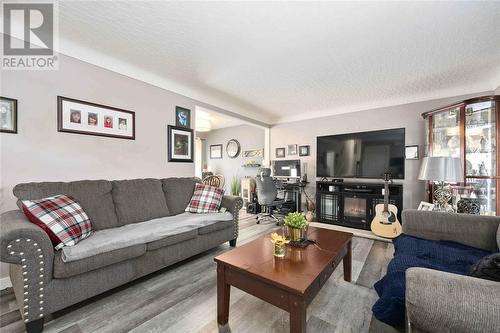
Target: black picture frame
(213,157)
(13,128)
(179,130)
(180,120)
(411,152)
(280,152)
(97,111)
(304,150)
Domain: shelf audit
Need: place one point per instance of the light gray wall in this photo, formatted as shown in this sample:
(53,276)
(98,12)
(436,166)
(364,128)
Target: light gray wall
(250,137)
(407,116)
(497,91)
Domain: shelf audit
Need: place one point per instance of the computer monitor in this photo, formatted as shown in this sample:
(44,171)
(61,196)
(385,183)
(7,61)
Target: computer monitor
(286,168)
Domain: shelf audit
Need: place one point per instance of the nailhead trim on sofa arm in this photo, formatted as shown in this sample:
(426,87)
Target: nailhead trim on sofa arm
(33,286)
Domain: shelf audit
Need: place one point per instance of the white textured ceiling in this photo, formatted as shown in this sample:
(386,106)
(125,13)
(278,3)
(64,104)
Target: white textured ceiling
(281,61)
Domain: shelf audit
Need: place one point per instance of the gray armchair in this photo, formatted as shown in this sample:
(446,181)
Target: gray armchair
(266,194)
(444,302)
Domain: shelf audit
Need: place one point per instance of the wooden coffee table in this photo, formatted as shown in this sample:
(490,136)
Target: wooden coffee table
(290,283)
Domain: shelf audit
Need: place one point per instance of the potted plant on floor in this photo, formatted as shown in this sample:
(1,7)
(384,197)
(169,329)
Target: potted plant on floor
(296,224)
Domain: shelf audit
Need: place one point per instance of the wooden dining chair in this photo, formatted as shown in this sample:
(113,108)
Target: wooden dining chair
(215,180)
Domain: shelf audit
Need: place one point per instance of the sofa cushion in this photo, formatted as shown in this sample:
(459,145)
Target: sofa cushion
(487,268)
(94,196)
(205,199)
(140,233)
(219,225)
(178,193)
(139,200)
(61,217)
(67,269)
(172,239)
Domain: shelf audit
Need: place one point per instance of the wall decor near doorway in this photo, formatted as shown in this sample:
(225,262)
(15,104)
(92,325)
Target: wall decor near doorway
(292,149)
(280,152)
(253,153)
(303,150)
(182,117)
(8,115)
(180,144)
(233,148)
(215,151)
(76,116)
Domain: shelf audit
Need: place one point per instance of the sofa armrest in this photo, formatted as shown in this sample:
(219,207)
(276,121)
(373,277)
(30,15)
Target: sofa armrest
(233,204)
(24,243)
(444,302)
(473,230)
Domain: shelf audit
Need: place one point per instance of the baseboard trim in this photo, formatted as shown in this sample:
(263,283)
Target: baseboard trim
(5,283)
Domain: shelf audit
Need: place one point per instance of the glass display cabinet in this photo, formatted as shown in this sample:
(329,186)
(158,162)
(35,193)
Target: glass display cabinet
(469,130)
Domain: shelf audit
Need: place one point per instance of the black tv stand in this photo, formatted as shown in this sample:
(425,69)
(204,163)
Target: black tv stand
(353,204)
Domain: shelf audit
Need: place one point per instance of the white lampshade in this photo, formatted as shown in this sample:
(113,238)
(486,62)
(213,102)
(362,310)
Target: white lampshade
(203,125)
(443,169)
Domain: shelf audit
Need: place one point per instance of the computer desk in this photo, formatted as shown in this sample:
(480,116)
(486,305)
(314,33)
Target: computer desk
(295,188)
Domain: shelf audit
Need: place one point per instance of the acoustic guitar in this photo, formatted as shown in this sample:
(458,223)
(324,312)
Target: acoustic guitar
(385,223)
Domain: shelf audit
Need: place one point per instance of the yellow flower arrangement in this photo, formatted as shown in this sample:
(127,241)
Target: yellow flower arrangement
(278,239)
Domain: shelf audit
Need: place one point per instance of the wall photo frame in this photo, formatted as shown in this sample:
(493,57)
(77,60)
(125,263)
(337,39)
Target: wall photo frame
(411,152)
(304,150)
(215,151)
(8,115)
(427,206)
(292,149)
(182,117)
(81,117)
(280,152)
(180,144)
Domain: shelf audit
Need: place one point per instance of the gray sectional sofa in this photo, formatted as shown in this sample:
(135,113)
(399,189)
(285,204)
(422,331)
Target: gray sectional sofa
(139,227)
(438,301)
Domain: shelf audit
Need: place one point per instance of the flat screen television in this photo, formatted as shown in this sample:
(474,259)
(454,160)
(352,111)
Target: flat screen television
(361,155)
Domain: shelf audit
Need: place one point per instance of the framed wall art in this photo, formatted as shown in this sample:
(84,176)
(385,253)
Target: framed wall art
(303,150)
(180,144)
(280,152)
(411,152)
(215,151)
(81,117)
(253,153)
(182,117)
(292,149)
(8,115)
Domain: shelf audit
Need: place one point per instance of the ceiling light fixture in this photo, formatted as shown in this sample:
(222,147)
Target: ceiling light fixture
(203,125)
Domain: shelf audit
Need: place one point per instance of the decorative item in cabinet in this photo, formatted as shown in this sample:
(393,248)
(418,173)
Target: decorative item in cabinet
(470,130)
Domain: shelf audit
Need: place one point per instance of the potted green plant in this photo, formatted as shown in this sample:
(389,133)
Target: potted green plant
(296,223)
(235,186)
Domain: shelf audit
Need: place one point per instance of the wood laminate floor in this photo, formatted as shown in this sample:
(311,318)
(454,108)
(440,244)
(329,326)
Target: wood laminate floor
(182,298)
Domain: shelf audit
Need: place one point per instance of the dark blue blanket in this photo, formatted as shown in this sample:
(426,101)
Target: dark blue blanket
(416,252)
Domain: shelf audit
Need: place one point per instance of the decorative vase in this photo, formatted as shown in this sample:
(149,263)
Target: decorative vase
(279,250)
(294,233)
(309,216)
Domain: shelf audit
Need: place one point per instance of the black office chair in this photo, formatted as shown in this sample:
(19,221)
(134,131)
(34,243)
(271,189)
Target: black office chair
(266,195)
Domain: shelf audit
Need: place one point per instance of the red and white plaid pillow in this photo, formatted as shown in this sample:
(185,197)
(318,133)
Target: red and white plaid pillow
(206,199)
(61,217)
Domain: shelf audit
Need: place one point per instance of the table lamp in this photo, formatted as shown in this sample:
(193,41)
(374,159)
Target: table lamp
(441,170)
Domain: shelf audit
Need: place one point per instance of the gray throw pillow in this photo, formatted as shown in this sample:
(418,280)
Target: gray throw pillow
(487,268)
